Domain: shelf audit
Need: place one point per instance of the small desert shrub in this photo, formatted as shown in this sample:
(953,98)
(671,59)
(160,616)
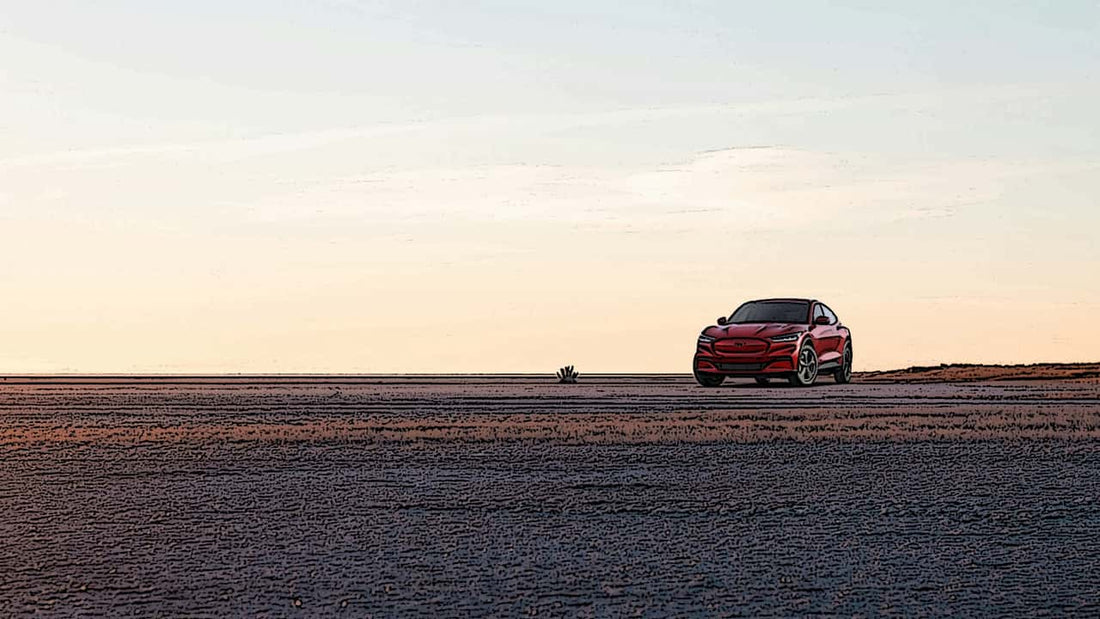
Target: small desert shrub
(567,375)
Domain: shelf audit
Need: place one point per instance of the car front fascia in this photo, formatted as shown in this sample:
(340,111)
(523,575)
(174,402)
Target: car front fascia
(778,358)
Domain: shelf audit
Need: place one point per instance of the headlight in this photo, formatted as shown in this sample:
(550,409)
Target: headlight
(705,339)
(789,337)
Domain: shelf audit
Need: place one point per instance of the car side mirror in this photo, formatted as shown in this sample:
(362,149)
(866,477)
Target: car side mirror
(721,321)
(821,320)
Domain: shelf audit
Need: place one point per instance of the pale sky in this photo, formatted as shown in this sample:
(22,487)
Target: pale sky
(412,186)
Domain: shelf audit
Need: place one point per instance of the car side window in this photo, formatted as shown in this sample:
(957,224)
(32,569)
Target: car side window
(829,313)
(818,311)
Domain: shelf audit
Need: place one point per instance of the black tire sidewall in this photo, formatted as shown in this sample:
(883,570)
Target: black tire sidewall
(839,374)
(704,379)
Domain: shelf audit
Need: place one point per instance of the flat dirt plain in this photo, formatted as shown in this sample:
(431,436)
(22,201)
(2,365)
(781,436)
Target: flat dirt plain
(949,490)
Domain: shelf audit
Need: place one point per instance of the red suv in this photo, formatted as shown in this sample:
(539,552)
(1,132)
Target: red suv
(796,339)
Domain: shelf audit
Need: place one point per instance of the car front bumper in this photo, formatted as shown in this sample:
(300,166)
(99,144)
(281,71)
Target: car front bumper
(774,359)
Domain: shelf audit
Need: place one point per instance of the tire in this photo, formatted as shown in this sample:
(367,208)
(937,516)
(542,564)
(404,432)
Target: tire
(843,376)
(806,372)
(762,380)
(708,380)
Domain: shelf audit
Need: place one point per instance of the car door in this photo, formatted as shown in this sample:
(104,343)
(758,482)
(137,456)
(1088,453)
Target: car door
(828,337)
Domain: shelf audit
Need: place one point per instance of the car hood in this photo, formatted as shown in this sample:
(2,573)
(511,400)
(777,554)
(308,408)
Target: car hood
(757,330)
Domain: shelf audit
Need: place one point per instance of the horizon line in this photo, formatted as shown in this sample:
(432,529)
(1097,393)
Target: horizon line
(32,375)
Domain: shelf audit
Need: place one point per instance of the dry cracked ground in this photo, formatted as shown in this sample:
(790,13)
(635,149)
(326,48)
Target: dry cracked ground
(457,496)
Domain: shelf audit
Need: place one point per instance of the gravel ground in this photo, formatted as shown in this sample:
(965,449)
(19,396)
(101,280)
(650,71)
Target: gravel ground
(515,496)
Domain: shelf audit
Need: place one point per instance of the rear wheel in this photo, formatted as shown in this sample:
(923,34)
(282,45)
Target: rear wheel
(844,374)
(708,380)
(762,380)
(806,373)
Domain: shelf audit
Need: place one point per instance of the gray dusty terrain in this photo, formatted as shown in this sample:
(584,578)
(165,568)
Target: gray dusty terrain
(518,496)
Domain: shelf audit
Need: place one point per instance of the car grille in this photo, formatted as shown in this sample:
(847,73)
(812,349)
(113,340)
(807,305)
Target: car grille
(740,367)
(740,346)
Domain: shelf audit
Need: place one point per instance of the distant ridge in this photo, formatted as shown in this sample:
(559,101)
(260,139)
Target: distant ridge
(970,372)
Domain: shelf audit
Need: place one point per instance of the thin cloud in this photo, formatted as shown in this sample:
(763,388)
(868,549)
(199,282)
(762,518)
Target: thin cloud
(739,188)
(258,145)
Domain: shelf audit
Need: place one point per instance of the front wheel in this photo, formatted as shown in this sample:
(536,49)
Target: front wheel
(844,374)
(806,373)
(708,380)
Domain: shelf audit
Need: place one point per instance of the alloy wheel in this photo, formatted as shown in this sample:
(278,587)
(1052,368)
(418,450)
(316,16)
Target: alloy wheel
(807,365)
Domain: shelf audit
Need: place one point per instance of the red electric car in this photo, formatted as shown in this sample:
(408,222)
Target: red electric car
(796,339)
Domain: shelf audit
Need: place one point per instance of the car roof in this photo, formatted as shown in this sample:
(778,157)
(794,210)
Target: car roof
(783,299)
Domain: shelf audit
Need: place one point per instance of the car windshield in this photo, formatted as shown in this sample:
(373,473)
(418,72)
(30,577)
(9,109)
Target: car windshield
(772,311)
